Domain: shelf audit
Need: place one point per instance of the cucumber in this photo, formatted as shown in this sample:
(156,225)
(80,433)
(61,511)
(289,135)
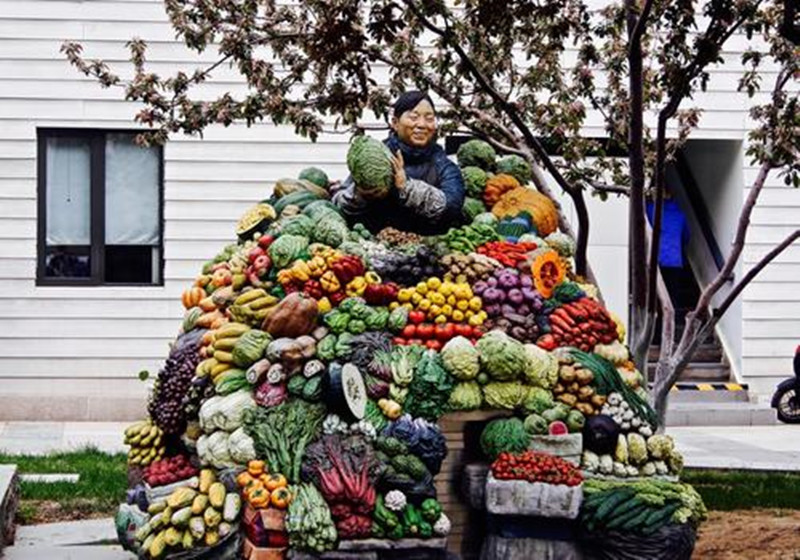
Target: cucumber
(622,521)
(613,501)
(625,507)
(635,523)
(659,518)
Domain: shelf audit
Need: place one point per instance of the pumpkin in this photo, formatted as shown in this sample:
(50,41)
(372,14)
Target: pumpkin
(498,185)
(521,199)
(548,271)
(294,316)
(192,297)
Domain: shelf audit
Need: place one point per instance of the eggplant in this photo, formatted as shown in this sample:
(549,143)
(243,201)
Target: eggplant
(345,392)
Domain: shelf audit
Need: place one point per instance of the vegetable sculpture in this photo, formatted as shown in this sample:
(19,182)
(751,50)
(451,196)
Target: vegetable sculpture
(316,361)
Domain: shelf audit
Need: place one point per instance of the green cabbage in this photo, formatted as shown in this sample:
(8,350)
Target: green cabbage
(466,396)
(287,249)
(504,395)
(536,425)
(501,356)
(461,359)
(504,434)
(370,165)
(515,166)
(538,400)
(541,367)
(474,181)
(315,175)
(476,153)
(471,208)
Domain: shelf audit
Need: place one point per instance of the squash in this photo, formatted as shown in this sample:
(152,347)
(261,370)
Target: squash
(255,220)
(548,271)
(497,186)
(514,201)
(288,186)
(294,316)
(192,296)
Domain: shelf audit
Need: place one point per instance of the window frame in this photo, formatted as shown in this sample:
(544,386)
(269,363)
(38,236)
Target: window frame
(97,143)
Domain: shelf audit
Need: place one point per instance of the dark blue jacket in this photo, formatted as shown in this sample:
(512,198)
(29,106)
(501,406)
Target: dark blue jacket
(429,164)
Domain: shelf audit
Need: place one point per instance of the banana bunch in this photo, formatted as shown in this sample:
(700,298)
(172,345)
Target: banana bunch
(252,306)
(146,441)
(220,350)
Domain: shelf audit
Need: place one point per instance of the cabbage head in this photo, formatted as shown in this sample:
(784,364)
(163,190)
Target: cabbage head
(466,396)
(538,400)
(541,367)
(471,208)
(461,359)
(502,357)
(476,153)
(504,395)
(637,449)
(515,166)
(370,165)
(474,181)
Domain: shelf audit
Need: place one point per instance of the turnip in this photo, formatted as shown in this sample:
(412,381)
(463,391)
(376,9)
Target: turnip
(514,295)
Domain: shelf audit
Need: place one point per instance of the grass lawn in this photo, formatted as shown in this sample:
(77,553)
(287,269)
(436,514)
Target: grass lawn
(732,490)
(102,484)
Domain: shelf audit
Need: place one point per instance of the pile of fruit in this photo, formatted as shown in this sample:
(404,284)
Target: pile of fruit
(316,358)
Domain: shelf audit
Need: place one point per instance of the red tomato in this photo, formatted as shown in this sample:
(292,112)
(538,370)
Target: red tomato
(399,341)
(418,341)
(409,331)
(546,342)
(433,344)
(416,317)
(425,331)
(445,332)
(462,329)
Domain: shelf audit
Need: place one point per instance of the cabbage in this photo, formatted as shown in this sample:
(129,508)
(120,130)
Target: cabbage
(466,396)
(501,356)
(461,359)
(515,166)
(504,395)
(536,425)
(370,164)
(541,367)
(538,400)
(474,181)
(476,153)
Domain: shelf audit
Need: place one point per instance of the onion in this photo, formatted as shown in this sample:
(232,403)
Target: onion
(526,281)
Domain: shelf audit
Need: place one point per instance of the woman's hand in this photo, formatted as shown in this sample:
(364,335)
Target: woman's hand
(399,171)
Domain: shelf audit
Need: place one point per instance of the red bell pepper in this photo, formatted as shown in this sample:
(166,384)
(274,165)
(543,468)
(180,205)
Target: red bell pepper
(347,267)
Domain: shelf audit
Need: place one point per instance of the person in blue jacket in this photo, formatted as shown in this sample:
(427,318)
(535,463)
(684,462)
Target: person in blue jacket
(428,188)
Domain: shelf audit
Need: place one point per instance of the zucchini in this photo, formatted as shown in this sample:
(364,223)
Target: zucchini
(625,521)
(659,518)
(635,523)
(625,507)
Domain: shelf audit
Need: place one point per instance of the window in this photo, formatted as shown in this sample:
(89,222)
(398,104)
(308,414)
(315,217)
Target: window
(100,209)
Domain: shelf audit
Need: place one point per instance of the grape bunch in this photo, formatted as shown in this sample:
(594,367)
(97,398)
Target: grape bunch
(200,390)
(166,406)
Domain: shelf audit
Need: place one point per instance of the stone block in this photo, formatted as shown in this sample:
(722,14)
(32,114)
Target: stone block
(473,485)
(519,497)
(499,548)
(568,445)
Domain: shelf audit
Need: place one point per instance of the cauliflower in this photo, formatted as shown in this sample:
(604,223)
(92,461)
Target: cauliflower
(606,465)
(661,467)
(648,469)
(461,359)
(675,462)
(590,461)
(395,500)
(442,526)
(631,470)
(621,453)
(646,430)
(541,367)
(660,446)
(637,449)
(619,469)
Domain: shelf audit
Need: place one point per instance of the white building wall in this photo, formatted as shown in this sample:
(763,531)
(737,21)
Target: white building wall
(85,345)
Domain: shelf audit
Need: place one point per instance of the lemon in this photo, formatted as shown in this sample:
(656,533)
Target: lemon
(424,304)
(446,288)
(422,288)
(462,291)
(458,316)
(433,283)
(394,305)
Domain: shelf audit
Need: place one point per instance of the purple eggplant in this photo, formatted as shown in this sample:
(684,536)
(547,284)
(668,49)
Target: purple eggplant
(479,287)
(494,295)
(514,295)
(507,309)
(492,309)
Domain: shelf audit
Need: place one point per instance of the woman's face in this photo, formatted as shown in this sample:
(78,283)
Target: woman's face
(416,127)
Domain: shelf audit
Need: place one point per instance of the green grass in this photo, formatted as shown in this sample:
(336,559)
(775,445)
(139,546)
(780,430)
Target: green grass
(731,490)
(101,487)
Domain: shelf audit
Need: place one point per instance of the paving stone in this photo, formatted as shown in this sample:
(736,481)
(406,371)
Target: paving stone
(67,533)
(107,552)
(9,502)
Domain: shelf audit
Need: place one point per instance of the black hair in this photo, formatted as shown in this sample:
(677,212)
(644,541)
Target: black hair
(409,100)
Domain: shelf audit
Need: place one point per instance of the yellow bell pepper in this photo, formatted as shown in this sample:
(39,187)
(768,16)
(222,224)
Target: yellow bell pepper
(317,266)
(324,305)
(356,286)
(300,271)
(285,276)
(372,277)
(329,282)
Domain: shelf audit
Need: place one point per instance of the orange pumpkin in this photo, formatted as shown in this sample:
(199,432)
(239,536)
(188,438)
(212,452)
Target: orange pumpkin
(275,481)
(243,479)
(256,468)
(548,271)
(192,296)
(522,199)
(497,186)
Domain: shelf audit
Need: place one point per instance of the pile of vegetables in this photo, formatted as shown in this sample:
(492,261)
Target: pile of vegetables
(315,362)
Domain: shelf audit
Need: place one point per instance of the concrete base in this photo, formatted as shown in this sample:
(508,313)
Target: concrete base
(9,493)
(720,414)
(72,408)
